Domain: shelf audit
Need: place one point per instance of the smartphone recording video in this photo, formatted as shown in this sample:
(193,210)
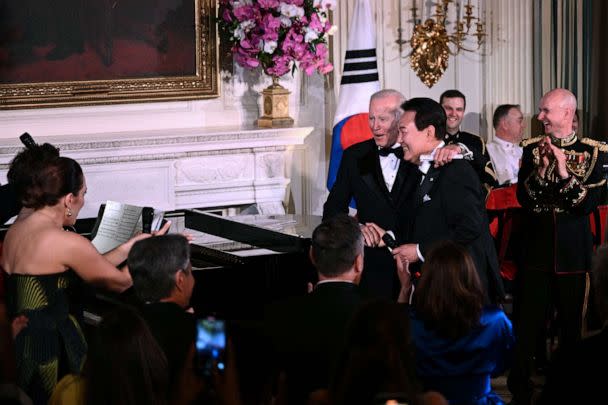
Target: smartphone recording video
(210,345)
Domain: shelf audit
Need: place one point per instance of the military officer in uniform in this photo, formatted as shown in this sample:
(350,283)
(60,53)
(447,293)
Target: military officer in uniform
(560,183)
(472,147)
(504,148)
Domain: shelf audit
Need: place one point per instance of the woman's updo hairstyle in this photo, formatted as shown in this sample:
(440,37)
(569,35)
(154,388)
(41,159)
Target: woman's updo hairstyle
(41,177)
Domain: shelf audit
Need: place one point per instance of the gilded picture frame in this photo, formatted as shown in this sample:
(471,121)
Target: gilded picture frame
(138,51)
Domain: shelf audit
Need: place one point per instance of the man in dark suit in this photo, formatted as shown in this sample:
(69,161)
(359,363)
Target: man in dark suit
(471,146)
(163,280)
(448,201)
(373,174)
(306,332)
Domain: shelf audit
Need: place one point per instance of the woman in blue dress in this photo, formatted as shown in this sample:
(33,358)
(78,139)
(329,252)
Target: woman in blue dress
(459,344)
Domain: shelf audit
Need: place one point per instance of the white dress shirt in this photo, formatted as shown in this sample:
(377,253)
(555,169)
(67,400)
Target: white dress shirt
(506,158)
(390,165)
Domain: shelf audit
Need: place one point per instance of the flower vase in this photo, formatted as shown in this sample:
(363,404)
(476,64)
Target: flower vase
(276,106)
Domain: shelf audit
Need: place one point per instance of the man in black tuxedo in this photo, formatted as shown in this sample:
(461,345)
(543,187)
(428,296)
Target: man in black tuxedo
(373,174)
(448,201)
(471,146)
(306,332)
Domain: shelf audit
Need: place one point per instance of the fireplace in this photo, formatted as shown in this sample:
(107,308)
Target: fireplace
(213,168)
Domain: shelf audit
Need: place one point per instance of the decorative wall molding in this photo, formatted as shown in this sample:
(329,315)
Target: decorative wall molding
(465,71)
(204,167)
(509,66)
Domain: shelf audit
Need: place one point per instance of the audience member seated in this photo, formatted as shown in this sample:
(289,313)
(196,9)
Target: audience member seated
(45,264)
(575,375)
(163,280)
(459,344)
(124,366)
(308,331)
(376,363)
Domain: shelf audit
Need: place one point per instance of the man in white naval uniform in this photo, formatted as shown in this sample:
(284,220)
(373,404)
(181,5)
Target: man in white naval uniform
(504,150)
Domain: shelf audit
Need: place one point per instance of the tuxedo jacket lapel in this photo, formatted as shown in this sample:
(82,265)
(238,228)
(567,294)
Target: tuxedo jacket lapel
(399,181)
(429,181)
(371,174)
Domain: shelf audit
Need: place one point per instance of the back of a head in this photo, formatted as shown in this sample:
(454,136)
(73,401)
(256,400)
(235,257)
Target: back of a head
(449,297)
(428,112)
(125,365)
(335,245)
(377,356)
(153,263)
(41,177)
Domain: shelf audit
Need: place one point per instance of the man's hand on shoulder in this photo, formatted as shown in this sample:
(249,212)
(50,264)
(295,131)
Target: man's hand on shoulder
(446,154)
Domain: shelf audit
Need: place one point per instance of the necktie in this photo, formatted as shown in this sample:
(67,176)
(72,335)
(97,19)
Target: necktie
(387,151)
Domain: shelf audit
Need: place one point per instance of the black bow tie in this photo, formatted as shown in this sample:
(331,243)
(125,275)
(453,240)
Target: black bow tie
(387,151)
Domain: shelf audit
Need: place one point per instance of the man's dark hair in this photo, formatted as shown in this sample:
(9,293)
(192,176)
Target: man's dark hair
(153,263)
(335,245)
(428,112)
(501,112)
(453,94)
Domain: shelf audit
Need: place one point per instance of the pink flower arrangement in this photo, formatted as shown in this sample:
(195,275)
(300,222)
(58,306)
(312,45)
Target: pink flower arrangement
(278,34)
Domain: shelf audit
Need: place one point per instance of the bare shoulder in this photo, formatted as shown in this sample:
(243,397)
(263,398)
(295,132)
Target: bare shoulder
(38,250)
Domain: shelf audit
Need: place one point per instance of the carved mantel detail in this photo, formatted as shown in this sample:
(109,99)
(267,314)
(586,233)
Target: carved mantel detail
(181,168)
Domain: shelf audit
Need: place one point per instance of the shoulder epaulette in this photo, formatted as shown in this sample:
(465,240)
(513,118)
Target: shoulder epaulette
(596,144)
(530,141)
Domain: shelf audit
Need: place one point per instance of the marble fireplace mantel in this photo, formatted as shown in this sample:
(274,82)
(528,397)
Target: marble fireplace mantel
(181,168)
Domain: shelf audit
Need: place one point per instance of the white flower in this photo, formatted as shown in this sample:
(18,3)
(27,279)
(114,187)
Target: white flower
(269,46)
(310,35)
(240,3)
(324,4)
(285,21)
(290,10)
(244,27)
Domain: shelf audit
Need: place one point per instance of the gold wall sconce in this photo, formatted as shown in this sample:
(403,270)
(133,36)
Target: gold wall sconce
(432,45)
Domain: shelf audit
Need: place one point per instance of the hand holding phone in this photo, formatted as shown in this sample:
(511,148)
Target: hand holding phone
(210,345)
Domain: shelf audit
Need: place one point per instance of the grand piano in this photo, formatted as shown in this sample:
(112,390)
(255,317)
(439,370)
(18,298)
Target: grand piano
(241,263)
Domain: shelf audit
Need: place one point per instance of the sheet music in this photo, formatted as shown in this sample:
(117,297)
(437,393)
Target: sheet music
(118,224)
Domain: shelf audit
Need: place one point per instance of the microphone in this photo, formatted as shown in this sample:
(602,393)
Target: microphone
(27,140)
(389,240)
(147,216)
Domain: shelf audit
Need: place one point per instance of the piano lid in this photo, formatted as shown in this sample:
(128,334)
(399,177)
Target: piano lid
(277,233)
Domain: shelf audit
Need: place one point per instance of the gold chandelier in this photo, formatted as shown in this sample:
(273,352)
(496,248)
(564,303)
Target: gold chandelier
(432,45)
